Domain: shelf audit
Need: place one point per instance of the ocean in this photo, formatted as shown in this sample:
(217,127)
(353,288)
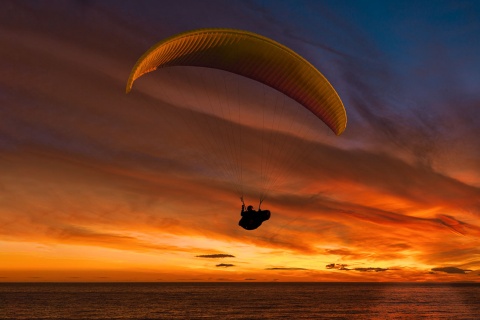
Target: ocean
(239,301)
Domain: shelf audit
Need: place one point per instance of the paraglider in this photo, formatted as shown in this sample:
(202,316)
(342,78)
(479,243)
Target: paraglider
(257,58)
(252,219)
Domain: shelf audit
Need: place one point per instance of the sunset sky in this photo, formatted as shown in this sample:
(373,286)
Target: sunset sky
(98,185)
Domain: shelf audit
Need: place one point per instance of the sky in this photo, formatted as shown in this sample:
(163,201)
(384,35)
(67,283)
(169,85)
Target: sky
(98,185)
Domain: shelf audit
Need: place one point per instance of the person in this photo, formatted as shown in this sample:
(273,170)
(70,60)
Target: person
(252,219)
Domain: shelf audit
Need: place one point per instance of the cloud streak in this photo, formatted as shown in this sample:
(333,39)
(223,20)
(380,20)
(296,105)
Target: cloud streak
(224,265)
(216,256)
(451,270)
(344,267)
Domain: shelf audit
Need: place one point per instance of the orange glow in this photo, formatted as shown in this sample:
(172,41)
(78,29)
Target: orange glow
(97,185)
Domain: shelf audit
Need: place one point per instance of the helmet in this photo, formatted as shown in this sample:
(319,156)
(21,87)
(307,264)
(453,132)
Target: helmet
(250,208)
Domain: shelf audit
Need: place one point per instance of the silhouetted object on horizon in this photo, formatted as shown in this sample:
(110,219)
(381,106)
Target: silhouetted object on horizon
(252,219)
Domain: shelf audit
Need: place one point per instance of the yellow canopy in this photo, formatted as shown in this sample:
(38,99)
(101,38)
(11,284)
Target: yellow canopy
(252,56)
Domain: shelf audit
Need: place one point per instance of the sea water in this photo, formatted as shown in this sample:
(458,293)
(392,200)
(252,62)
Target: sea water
(239,301)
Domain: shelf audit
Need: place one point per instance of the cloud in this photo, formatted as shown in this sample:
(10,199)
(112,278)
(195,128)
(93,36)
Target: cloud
(343,267)
(453,223)
(451,270)
(216,256)
(225,265)
(338,266)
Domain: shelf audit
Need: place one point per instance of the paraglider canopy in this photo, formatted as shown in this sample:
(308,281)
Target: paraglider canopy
(261,136)
(252,56)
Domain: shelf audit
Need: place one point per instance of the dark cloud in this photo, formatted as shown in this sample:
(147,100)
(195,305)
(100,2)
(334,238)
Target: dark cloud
(225,265)
(451,270)
(338,266)
(215,256)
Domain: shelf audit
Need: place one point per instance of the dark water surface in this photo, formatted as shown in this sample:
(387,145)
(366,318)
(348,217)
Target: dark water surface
(239,301)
